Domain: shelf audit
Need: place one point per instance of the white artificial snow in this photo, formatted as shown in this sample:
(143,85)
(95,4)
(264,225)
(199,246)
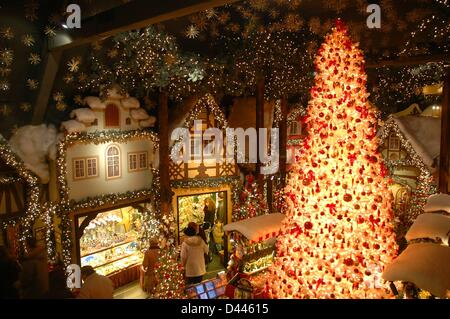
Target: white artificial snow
(83,115)
(257,227)
(34,145)
(114,93)
(150,122)
(424,134)
(437,202)
(130,103)
(424,264)
(94,103)
(430,225)
(139,114)
(73,126)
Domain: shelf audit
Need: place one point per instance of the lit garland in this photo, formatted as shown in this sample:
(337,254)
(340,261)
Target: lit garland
(425,182)
(32,208)
(66,206)
(49,213)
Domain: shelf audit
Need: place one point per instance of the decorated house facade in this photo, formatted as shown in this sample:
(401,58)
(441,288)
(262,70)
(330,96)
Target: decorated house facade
(104,188)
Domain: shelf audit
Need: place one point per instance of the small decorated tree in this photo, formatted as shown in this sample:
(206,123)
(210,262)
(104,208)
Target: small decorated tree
(168,269)
(338,233)
(252,202)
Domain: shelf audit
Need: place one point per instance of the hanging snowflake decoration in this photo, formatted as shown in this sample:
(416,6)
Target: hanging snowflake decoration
(34,59)
(74,64)
(26,107)
(196,75)
(49,31)
(58,96)
(7,33)
(32,84)
(224,17)
(192,32)
(82,77)
(28,40)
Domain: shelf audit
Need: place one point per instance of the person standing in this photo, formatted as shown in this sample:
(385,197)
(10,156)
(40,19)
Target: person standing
(149,262)
(193,250)
(34,276)
(95,286)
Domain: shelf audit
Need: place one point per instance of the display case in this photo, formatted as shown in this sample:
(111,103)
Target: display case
(110,241)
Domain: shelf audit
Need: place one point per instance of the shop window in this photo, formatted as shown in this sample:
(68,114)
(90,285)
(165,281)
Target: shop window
(128,121)
(113,162)
(78,168)
(394,143)
(92,167)
(112,116)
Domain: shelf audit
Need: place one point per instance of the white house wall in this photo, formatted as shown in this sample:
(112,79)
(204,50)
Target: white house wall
(95,186)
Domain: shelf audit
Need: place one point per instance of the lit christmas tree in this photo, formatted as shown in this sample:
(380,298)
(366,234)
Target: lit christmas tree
(252,202)
(168,269)
(338,233)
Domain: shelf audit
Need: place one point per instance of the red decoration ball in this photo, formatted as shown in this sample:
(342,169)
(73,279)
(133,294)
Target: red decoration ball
(308,225)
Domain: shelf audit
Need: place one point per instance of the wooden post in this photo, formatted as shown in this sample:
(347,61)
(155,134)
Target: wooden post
(163,120)
(259,124)
(283,141)
(445,137)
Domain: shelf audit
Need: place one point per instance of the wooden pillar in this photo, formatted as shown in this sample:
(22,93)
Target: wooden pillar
(445,137)
(163,120)
(259,124)
(283,141)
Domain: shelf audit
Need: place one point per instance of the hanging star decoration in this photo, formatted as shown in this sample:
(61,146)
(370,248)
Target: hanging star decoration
(50,31)
(31,8)
(68,78)
(32,84)
(211,13)
(78,99)
(74,64)
(7,33)
(58,96)
(28,40)
(34,59)
(5,110)
(26,107)
(192,32)
(6,56)
(4,85)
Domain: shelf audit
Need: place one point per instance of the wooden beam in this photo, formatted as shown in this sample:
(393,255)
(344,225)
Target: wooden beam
(135,15)
(259,124)
(45,90)
(414,60)
(283,141)
(444,156)
(163,123)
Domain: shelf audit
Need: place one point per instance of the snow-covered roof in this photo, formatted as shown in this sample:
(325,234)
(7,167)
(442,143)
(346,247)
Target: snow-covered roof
(424,264)
(413,109)
(437,202)
(83,115)
(424,134)
(430,225)
(258,228)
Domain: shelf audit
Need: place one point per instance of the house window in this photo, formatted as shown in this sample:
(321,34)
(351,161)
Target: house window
(128,121)
(137,161)
(92,167)
(113,162)
(394,143)
(78,168)
(112,116)
(143,160)
(132,161)
(295,128)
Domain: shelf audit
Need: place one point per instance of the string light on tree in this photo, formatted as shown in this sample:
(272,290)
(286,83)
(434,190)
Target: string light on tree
(338,232)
